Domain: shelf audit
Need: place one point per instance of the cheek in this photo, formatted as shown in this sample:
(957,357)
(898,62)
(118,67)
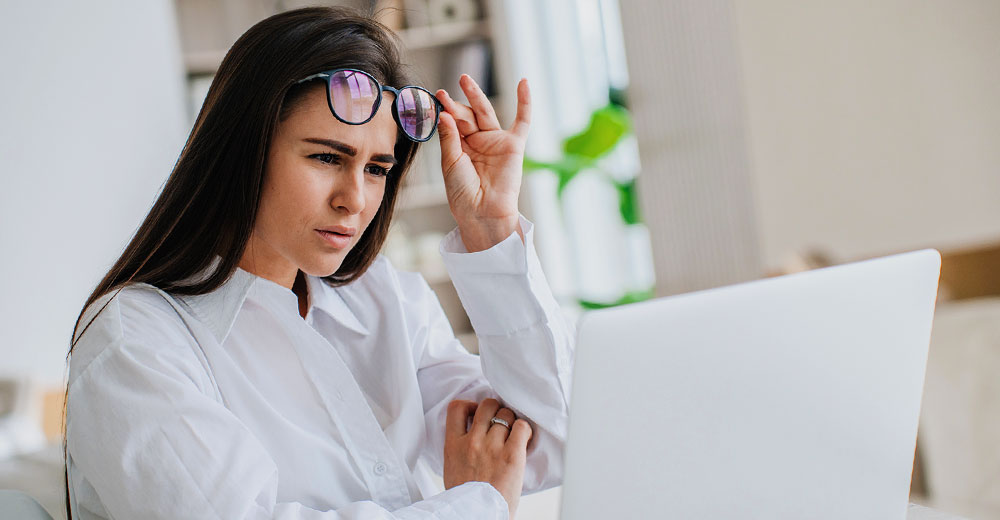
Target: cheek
(374,202)
(287,197)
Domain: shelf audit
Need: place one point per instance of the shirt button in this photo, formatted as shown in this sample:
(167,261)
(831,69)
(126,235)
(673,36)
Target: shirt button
(340,395)
(380,468)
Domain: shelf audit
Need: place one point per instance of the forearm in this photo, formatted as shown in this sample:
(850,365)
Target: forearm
(525,343)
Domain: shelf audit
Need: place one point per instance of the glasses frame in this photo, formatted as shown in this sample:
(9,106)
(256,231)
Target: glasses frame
(328,74)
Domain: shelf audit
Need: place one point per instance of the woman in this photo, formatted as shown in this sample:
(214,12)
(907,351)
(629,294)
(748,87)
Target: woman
(251,356)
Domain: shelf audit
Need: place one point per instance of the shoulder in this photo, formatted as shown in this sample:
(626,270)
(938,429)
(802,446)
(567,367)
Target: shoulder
(138,315)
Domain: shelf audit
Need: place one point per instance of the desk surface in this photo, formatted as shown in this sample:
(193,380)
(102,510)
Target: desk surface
(35,473)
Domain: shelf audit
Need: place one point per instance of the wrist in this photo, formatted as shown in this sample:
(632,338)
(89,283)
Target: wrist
(482,234)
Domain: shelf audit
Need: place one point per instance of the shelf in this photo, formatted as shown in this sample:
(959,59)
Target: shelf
(414,38)
(419,38)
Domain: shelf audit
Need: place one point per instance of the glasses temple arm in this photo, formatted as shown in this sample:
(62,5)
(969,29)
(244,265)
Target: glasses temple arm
(314,76)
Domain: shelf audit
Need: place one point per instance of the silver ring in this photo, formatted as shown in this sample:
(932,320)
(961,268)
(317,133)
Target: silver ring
(497,420)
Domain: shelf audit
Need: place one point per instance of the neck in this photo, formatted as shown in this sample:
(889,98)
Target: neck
(259,259)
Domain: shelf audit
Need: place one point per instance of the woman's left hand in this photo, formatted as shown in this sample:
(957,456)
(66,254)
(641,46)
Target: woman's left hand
(482,164)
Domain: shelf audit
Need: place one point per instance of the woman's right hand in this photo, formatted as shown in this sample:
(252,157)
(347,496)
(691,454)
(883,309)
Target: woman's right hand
(485,452)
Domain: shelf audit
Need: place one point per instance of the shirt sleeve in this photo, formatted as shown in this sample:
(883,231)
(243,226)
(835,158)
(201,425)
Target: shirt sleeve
(148,434)
(525,350)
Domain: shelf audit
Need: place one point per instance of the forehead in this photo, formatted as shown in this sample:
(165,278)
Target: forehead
(311,117)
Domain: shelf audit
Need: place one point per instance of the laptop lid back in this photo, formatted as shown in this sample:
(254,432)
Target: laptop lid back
(784,398)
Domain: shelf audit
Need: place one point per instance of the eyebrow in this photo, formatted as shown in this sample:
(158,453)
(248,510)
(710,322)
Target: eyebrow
(350,150)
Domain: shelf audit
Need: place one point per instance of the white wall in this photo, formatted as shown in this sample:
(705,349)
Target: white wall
(92,118)
(874,126)
(686,96)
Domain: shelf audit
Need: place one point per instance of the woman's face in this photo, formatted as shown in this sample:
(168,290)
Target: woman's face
(320,174)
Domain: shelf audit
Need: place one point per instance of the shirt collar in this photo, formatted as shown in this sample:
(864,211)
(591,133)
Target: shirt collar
(331,301)
(218,309)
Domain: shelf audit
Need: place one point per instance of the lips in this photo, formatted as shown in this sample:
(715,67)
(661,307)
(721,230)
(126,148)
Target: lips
(336,240)
(340,230)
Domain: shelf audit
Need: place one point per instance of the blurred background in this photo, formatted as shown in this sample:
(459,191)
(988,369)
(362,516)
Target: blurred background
(675,146)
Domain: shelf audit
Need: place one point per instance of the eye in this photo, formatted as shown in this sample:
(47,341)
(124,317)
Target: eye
(328,158)
(377,170)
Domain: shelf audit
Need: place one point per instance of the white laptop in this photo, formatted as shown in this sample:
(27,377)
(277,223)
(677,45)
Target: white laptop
(785,398)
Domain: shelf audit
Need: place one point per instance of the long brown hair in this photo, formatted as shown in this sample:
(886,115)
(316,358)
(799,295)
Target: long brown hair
(209,203)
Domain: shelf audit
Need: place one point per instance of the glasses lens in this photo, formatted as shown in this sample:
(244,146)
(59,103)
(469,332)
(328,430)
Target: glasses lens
(417,112)
(353,95)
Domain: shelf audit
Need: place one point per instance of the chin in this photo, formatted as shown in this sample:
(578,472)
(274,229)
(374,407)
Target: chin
(323,266)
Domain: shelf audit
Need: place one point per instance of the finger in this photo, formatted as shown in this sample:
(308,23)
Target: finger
(498,433)
(522,120)
(486,117)
(458,417)
(486,410)
(465,119)
(452,152)
(451,143)
(520,433)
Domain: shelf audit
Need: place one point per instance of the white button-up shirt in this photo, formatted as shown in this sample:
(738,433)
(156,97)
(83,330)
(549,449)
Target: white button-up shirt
(231,405)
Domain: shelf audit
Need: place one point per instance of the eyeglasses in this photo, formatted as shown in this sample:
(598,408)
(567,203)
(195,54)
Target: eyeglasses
(354,97)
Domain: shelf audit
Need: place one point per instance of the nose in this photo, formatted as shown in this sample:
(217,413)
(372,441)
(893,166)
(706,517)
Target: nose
(349,190)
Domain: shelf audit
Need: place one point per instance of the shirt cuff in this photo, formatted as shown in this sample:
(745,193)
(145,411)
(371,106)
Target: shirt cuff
(507,256)
(502,288)
(475,499)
